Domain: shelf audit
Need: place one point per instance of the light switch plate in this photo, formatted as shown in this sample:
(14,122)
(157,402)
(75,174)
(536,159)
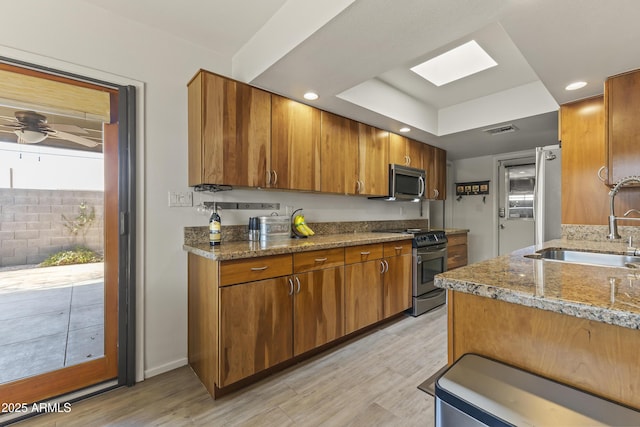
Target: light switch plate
(180,199)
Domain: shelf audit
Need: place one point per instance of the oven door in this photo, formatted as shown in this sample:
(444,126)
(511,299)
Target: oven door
(429,262)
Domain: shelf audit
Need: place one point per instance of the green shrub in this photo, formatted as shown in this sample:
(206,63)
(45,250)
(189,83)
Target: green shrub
(77,256)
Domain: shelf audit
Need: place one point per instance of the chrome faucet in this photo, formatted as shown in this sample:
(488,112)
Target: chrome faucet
(613,224)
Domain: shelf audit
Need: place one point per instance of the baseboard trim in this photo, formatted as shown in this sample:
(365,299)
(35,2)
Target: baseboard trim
(152,372)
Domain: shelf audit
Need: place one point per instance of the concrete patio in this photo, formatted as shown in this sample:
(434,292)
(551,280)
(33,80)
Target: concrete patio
(50,318)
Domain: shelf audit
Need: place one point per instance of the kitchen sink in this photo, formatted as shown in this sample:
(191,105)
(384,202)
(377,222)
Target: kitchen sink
(593,258)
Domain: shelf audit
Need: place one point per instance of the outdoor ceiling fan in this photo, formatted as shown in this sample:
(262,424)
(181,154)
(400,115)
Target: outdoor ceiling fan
(32,127)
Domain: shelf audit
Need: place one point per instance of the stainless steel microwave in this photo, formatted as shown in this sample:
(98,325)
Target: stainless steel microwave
(405,183)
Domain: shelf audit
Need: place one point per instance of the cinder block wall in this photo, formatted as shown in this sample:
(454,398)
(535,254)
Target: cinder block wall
(32,227)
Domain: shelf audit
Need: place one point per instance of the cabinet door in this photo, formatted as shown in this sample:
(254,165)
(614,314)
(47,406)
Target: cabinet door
(414,153)
(435,160)
(622,103)
(397,285)
(318,308)
(255,328)
(363,294)
(338,154)
(229,132)
(373,165)
(398,150)
(295,145)
(585,198)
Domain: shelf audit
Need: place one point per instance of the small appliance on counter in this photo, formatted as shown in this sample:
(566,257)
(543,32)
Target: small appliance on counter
(274,227)
(254,229)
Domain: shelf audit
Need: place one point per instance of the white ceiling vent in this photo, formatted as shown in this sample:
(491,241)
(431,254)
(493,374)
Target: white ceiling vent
(501,129)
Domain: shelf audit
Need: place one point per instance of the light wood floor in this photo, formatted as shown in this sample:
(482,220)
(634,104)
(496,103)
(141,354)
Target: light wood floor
(369,381)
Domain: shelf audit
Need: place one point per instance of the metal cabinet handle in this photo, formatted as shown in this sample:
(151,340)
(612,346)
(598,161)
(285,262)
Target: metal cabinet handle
(407,160)
(290,286)
(365,253)
(382,267)
(298,283)
(357,186)
(259,268)
(321,259)
(275,177)
(386,265)
(268,177)
(436,193)
(361,187)
(605,170)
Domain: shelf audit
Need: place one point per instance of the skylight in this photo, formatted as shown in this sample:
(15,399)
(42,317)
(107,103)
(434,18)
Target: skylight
(462,61)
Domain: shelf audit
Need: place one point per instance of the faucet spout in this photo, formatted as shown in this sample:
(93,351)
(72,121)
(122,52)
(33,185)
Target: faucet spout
(613,224)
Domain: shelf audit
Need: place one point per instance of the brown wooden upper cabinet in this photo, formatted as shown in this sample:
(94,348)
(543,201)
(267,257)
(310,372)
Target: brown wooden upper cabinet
(405,151)
(622,127)
(435,163)
(585,198)
(373,161)
(229,132)
(338,154)
(295,145)
(246,137)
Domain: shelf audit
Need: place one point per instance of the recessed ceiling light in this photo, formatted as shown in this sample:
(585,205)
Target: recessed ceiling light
(575,85)
(311,96)
(462,61)
(405,129)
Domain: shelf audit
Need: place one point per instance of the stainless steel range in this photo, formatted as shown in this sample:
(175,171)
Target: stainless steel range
(429,259)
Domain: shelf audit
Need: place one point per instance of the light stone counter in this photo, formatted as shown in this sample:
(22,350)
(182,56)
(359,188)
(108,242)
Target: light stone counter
(604,294)
(245,249)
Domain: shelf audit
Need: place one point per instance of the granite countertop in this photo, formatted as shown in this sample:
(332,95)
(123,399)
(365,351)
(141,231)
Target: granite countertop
(604,294)
(246,249)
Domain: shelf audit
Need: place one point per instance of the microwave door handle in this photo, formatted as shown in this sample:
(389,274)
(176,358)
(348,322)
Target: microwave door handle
(422,186)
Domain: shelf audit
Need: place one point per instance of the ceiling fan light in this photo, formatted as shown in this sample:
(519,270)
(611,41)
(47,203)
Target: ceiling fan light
(26,136)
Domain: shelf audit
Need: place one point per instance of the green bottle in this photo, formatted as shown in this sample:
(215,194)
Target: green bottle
(214,227)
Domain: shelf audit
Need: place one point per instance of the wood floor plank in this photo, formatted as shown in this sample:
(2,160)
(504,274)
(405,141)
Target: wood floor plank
(368,381)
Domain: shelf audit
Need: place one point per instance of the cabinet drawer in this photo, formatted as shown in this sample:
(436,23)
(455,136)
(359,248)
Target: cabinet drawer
(457,239)
(456,256)
(251,269)
(318,260)
(362,253)
(402,247)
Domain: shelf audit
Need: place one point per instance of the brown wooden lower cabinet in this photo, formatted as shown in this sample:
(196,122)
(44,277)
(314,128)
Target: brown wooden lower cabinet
(243,322)
(456,251)
(363,294)
(397,285)
(256,322)
(593,356)
(318,309)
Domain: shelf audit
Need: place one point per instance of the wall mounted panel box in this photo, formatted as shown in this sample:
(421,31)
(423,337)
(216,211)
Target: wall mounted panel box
(476,391)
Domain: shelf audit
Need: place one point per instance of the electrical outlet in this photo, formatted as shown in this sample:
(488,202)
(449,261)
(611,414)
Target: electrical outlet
(180,199)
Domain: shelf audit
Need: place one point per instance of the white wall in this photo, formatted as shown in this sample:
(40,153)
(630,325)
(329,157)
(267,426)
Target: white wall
(470,212)
(72,35)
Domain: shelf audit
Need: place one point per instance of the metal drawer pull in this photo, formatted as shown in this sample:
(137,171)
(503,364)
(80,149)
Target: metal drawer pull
(298,283)
(365,253)
(398,248)
(290,286)
(321,259)
(259,268)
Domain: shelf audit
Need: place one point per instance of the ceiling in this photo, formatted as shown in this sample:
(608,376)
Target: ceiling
(357,53)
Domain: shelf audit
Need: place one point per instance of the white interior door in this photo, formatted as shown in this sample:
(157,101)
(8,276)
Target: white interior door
(516,195)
